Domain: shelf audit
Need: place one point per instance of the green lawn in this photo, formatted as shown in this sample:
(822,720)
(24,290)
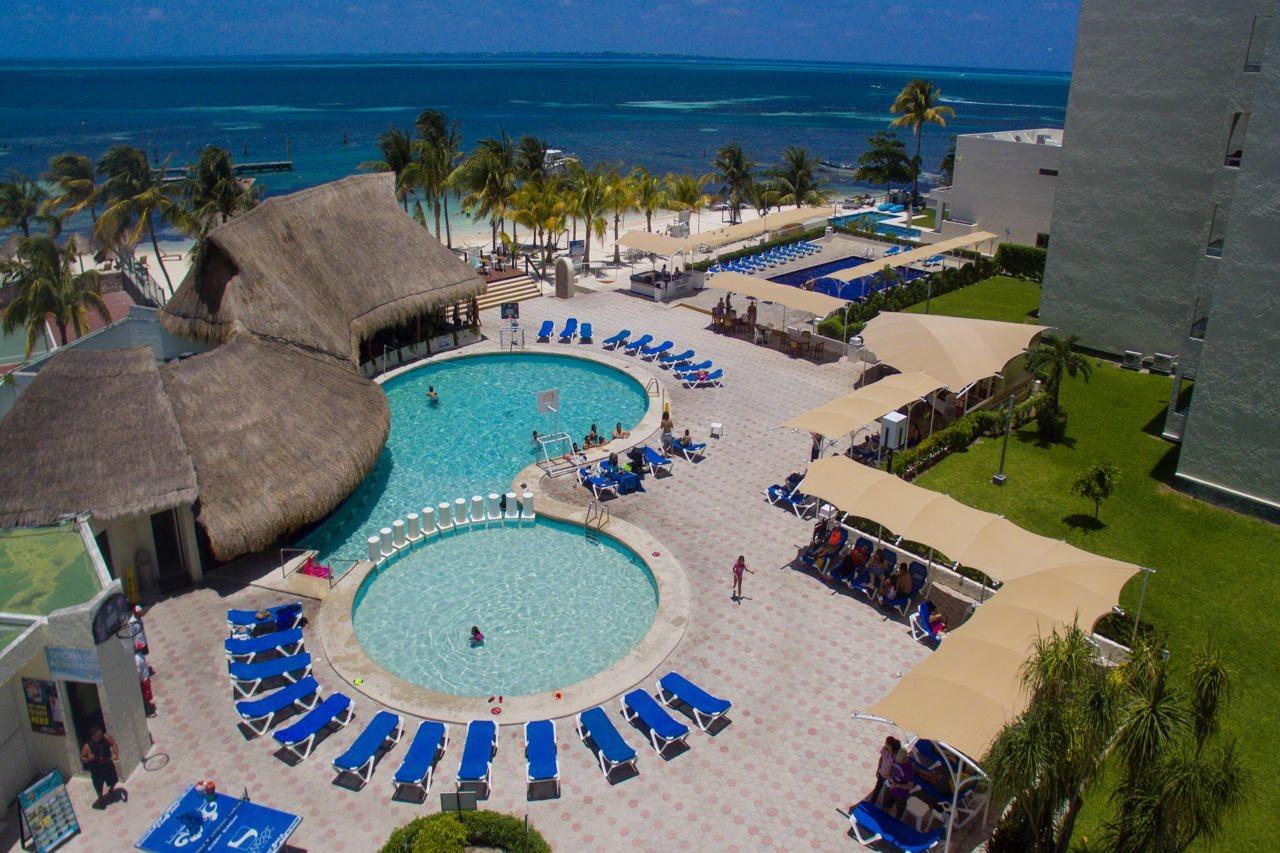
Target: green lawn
(1216,577)
(924,220)
(997,298)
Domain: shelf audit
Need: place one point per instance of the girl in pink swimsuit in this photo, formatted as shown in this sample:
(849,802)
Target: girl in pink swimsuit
(738,568)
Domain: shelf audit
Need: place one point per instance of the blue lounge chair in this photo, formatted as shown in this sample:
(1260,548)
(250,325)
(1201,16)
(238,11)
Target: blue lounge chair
(664,729)
(384,730)
(419,764)
(585,333)
(650,353)
(898,603)
(921,630)
(695,380)
(872,823)
(617,340)
(601,485)
(545,331)
(610,749)
(674,687)
(638,344)
(282,617)
(246,678)
(892,250)
(478,751)
(673,359)
(569,331)
(540,753)
(259,714)
(300,738)
(692,451)
(655,461)
(694,368)
(285,642)
(798,503)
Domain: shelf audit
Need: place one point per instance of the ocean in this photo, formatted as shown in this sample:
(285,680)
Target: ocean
(667,114)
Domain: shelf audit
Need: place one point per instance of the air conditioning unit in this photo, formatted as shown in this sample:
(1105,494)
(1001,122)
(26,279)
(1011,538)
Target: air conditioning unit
(1162,363)
(1132,360)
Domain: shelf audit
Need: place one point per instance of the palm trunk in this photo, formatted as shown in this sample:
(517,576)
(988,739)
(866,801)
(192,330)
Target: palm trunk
(915,183)
(648,220)
(435,204)
(1067,826)
(448,234)
(62,331)
(617,249)
(155,244)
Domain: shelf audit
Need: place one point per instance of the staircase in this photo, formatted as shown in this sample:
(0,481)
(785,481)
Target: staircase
(508,290)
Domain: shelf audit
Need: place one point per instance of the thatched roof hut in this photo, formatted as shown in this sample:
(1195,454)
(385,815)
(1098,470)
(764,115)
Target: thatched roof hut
(279,437)
(322,268)
(94,432)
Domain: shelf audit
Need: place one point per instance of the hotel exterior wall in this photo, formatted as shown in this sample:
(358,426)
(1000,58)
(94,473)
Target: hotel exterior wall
(1152,94)
(998,185)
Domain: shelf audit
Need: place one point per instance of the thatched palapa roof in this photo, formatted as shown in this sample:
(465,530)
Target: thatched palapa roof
(94,432)
(321,268)
(279,437)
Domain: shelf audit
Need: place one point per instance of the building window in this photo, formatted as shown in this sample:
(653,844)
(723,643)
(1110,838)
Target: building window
(1053,173)
(1217,231)
(1235,139)
(1042,241)
(1257,42)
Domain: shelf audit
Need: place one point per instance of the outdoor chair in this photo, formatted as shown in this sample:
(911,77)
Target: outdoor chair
(663,729)
(599,734)
(259,714)
(542,764)
(545,331)
(383,731)
(284,642)
(871,824)
(478,751)
(246,678)
(300,738)
(674,687)
(281,617)
(424,754)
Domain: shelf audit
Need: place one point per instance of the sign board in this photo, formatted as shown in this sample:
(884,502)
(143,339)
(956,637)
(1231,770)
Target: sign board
(510,310)
(48,818)
(548,401)
(195,824)
(112,614)
(44,709)
(73,664)
(458,801)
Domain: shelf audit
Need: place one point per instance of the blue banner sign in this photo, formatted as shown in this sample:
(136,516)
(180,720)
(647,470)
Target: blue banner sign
(196,824)
(47,815)
(73,664)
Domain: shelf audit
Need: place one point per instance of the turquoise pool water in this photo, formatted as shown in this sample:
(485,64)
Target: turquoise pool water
(476,439)
(554,609)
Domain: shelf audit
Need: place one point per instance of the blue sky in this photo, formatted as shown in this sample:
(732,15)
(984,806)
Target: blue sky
(1027,34)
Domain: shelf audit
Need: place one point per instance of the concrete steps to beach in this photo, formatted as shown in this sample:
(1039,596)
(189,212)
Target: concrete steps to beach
(509,290)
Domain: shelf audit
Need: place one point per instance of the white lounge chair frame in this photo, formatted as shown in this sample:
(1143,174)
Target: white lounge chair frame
(308,744)
(701,720)
(365,771)
(657,741)
(606,765)
(270,718)
(424,784)
(238,684)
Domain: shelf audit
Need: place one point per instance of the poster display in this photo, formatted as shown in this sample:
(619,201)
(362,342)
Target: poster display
(48,818)
(44,709)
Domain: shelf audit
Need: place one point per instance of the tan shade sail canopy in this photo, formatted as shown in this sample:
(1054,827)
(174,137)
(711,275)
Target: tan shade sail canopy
(955,350)
(855,410)
(754,228)
(912,256)
(783,294)
(655,244)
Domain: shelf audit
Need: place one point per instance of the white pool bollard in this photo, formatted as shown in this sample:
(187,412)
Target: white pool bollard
(388,547)
(494,512)
(459,512)
(375,549)
(526,501)
(397,529)
(414,530)
(428,521)
(477,508)
(513,509)
(445,521)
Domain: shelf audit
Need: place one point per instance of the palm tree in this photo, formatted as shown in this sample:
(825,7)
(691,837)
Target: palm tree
(397,155)
(762,195)
(650,194)
(796,183)
(46,286)
(734,170)
(685,192)
(438,152)
(531,159)
(489,177)
(917,105)
(540,207)
(621,200)
(1054,359)
(590,204)
(212,192)
(75,188)
(21,200)
(135,194)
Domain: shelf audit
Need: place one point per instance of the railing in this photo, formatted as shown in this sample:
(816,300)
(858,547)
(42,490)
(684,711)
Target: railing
(141,276)
(651,388)
(288,554)
(338,566)
(598,516)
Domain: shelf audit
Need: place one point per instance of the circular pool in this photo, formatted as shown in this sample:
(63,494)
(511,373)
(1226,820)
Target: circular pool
(554,609)
(476,438)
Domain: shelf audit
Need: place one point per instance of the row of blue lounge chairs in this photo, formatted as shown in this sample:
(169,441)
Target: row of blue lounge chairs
(570,331)
(890,207)
(767,259)
(690,374)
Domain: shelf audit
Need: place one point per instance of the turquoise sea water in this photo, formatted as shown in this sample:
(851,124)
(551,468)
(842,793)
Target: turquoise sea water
(476,439)
(554,609)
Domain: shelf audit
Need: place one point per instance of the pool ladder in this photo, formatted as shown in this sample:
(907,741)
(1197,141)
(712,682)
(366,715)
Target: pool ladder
(597,517)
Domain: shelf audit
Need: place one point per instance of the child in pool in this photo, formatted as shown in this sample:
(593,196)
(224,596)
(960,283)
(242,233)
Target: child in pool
(477,639)
(432,395)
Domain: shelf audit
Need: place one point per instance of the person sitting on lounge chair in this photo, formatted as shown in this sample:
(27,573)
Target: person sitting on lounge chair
(897,585)
(635,460)
(878,569)
(937,622)
(901,780)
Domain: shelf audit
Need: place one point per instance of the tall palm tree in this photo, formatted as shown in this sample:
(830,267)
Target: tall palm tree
(1054,359)
(686,192)
(621,200)
(47,286)
(489,178)
(531,159)
(75,189)
(396,149)
(795,180)
(21,200)
(212,192)
(918,104)
(650,194)
(590,204)
(734,170)
(763,195)
(540,207)
(135,195)
(438,151)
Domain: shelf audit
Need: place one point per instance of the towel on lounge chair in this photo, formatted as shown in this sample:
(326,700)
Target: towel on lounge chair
(701,377)
(280,617)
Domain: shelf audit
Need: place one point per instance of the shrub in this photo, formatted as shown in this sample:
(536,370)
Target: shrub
(505,832)
(963,432)
(1096,483)
(1021,261)
(447,832)
(441,833)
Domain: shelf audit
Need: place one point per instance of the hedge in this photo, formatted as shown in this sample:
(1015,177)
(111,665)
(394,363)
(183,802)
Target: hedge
(1021,261)
(960,434)
(449,832)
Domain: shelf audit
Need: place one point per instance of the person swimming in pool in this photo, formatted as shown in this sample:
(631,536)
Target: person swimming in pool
(477,639)
(432,395)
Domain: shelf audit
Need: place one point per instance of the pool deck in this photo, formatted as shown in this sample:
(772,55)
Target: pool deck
(796,657)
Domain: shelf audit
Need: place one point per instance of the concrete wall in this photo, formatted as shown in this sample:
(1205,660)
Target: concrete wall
(1230,439)
(998,186)
(127,536)
(1153,91)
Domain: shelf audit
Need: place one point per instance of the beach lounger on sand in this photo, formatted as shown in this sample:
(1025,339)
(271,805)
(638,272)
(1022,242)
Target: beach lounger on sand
(545,331)
(477,754)
(663,729)
(282,617)
(300,738)
(617,340)
(638,344)
(540,753)
(655,461)
(285,642)
(674,687)
(259,714)
(691,451)
(569,331)
(872,823)
(419,764)
(246,678)
(384,730)
(610,749)
(650,353)
(584,333)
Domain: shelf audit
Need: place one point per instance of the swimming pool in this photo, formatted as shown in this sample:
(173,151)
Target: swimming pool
(476,439)
(875,221)
(554,609)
